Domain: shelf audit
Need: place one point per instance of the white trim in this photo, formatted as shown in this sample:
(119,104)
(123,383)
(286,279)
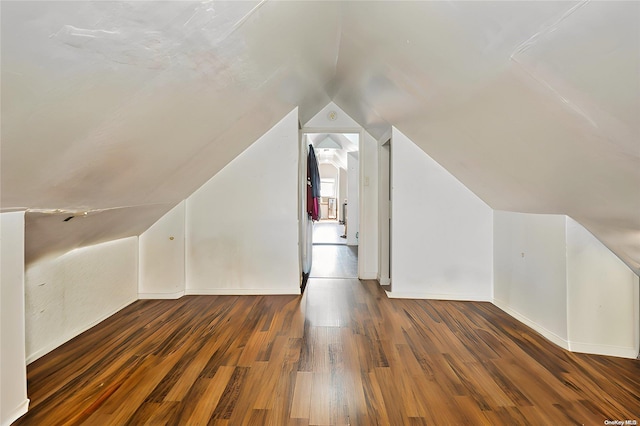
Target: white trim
(240,291)
(384,210)
(549,335)
(435,296)
(383,281)
(62,340)
(176,295)
(369,276)
(362,237)
(16,413)
(386,136)
(590,348)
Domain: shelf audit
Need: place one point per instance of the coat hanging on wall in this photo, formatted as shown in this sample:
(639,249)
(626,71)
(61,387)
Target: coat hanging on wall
(313,185)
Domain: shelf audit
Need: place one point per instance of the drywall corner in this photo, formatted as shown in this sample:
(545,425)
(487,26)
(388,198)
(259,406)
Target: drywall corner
(162,257)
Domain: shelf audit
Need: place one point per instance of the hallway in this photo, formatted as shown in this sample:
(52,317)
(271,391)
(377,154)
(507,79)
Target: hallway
(332,258)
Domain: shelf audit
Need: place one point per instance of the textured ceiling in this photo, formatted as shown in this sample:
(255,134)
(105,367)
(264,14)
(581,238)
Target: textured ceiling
(122,109)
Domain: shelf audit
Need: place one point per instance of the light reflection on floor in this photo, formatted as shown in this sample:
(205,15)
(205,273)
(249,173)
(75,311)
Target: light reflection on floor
(331,257)
(334,261)
(328,233)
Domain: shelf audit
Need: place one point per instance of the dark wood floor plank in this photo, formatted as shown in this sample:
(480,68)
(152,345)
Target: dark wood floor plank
(203,400)
(229,398)
(341,354)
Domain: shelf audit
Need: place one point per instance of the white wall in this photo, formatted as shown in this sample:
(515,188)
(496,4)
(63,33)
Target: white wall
(530,271)
(603,297)
(342,120)
(69,294)
(442,239)
(328,171)
(242,225)
(13,368)
(353,199)
(556,277)
(162,257)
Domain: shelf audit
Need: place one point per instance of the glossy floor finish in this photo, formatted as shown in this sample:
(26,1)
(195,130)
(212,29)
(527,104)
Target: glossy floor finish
(334,261)
(328,232)
(340,354)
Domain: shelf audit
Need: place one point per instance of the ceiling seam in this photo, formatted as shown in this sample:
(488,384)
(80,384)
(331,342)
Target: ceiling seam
(532,41)
(546,30)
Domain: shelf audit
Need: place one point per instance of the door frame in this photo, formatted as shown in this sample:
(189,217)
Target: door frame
(302,182)
(385,192)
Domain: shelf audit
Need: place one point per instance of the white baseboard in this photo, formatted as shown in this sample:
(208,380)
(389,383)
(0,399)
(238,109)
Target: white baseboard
(435,296)
(176,295)
(240,291)
(549,335)
(64,339)
(589,348)
(16,413)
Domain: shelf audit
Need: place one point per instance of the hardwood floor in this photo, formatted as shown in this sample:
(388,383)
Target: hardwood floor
(340,354)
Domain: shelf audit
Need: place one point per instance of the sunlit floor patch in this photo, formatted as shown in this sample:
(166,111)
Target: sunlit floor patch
(328,233)
(334,261)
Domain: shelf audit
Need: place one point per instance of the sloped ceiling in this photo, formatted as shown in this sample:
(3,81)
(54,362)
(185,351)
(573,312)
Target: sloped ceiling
(122,109)
(332,148)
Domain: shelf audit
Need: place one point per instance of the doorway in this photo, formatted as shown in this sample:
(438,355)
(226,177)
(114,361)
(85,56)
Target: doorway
(384,214)
(332,241)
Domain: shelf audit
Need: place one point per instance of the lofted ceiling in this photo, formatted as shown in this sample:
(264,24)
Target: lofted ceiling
(122,109)
(332,148)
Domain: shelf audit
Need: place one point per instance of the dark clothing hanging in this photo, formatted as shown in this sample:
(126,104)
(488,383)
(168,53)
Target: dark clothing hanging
(313,185)
(312,209)
(314,172)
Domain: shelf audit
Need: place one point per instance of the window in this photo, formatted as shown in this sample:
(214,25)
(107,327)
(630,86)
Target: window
(328,187)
